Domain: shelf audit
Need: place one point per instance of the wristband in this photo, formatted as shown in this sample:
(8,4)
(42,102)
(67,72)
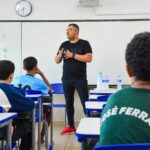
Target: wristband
(73,55)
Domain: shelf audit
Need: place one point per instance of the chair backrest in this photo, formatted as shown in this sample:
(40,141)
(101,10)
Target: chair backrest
(4,102)
(1,109)
(33,92)
(103,98)
(58,88)
(144,146)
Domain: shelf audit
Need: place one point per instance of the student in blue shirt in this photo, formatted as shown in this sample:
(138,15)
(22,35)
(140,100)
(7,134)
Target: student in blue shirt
(29,80)
(19,103)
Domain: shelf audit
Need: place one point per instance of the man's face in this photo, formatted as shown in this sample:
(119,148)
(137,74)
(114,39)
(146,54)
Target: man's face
(71,32)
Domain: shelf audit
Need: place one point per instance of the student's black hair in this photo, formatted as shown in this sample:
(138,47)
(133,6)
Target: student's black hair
(29,63)
(74,25)
(6,68)
(138,56)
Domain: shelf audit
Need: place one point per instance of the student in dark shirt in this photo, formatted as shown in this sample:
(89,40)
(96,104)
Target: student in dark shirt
(75,53)
(19,103)
(126,117)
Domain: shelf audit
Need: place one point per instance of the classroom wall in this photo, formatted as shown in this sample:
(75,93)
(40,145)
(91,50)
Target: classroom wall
(62,10)
(108,41)
(47,9)
(124,9)
(69,9)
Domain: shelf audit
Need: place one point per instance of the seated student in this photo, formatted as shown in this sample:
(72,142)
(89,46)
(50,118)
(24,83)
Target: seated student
(29,80)
(19,103)
(126,117)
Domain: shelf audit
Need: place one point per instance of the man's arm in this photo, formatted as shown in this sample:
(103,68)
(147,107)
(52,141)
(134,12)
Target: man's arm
(59,56)
(83,58)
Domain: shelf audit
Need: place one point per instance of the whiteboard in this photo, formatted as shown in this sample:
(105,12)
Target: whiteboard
(10,44)
(108,41)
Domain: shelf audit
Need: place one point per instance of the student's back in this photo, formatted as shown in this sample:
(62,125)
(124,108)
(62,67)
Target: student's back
(17,99)
(126,117)
(30,65)
(31,81)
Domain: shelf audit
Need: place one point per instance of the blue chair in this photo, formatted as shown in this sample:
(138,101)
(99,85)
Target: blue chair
(58,89)
(33,92)
(100,98)
(103,98)
(1,109)
(144,146)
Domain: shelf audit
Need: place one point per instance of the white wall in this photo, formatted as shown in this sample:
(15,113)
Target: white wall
(124,9)
(68,9)
(10,38)
(108,41)
(47,9)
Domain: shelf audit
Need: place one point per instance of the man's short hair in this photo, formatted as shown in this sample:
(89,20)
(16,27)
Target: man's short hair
(74,25)
(138,56)
(6,68)
(29,63)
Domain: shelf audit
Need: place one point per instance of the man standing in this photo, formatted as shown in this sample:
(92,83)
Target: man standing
(75,53)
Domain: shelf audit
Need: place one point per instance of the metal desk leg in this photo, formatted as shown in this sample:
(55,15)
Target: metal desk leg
(51,128)
(33,129)
(88,113)
(45,124)
(84,145)
(3,145)
(39,124)
(9,136)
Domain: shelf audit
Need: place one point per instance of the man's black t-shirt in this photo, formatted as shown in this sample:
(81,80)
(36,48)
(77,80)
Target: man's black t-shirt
(72,68)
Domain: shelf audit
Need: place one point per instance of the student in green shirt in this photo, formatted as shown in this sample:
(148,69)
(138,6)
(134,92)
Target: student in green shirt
(126,117)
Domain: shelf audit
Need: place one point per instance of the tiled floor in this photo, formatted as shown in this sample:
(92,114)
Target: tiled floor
(65,142)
